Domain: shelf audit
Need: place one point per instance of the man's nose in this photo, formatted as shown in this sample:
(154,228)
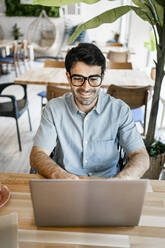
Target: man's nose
(86,85)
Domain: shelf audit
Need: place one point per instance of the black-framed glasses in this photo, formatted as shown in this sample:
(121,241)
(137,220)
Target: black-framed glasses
(93,80)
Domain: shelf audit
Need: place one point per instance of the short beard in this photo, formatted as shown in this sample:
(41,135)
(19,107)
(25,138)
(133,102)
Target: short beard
(88,101)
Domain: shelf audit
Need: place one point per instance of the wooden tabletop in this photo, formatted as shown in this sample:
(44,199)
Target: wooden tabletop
(57,77)
(5,43)
(149,233)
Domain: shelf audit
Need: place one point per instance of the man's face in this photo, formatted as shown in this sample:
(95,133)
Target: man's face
(85,96)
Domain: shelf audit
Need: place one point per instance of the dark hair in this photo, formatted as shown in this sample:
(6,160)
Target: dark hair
(87,53)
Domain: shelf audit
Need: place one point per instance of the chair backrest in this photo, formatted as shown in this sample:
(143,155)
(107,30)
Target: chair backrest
(24,50)
(120,57)
(53,92)
(14,50)
(117,65)
(135,97)
(54,63)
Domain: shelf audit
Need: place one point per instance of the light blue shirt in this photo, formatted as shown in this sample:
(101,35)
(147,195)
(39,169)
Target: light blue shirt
(87,144)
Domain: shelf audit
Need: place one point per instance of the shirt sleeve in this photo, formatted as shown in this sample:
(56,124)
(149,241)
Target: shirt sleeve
(46,136)
(129,137)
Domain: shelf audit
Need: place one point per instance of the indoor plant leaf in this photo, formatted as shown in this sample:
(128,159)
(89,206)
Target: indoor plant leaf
(107,17)
(161,2)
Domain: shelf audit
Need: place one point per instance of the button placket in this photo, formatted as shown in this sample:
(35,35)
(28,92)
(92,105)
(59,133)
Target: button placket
(85,142)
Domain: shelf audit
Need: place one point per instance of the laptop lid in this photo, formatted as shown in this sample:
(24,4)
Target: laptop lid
(93,202)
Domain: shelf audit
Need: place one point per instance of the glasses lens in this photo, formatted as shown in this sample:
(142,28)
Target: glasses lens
(95,81)
(77,80)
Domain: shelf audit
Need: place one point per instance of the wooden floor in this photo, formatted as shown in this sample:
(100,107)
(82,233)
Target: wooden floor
(11,159)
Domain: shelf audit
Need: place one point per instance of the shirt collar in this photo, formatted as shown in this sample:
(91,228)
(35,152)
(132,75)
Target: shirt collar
(98,107)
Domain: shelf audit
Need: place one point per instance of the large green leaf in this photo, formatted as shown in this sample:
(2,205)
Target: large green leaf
(107,17)
(62,2)
(160,10)
(161,2)
(148,7)
(145,15)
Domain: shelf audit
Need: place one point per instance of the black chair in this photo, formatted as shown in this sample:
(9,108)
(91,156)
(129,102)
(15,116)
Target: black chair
(14,108)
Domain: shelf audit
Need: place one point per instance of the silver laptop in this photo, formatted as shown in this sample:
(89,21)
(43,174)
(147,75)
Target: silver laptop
(93,202)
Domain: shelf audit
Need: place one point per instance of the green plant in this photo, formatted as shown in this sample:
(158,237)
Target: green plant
(16,32)
(116,37)
(156,148)
(152,11)
(15,8)
(151,45)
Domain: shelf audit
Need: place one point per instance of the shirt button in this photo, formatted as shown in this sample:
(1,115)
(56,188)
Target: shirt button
(86,161)
(90,174)
(86,142)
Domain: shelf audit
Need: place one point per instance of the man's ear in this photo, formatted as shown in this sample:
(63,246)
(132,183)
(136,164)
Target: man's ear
(68,76)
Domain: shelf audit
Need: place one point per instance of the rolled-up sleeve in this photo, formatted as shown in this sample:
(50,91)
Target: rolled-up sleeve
(46,136)
(129,137)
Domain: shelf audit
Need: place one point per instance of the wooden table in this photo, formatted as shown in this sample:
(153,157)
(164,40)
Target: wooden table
(149,233)
(5,43)
(56,76)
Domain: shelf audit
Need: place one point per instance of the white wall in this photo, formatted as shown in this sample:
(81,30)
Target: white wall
(139,33)
(106,31)
(24,22)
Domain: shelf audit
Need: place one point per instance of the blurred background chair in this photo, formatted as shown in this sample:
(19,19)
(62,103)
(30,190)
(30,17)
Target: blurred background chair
(12,59)
(14,108)
(135,97)
(117,65)
(24,54)
(49,63)
(53,92)
(115,56)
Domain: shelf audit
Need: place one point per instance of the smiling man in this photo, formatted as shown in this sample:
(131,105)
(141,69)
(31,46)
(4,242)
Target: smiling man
(85,128)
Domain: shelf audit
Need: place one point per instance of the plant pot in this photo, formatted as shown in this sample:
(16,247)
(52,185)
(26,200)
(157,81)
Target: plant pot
(156,164)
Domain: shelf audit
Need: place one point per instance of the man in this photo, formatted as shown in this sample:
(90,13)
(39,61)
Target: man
(87,126)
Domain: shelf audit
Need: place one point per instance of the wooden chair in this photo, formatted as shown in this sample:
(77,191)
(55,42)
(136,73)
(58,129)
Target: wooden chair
(50,63)
(14,107)
(117,65)
(54,63)
(120,57)
(23,54)
(135,97)
(53,92)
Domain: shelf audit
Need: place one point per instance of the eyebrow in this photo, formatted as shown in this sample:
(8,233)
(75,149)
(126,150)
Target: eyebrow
(79,75)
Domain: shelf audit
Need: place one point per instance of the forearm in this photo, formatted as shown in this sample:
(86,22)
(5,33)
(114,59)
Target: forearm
(136,166)
(40,160)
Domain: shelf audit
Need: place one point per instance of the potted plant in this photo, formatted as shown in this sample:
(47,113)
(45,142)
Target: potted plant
(16,32)
(116,37)
(152,11)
